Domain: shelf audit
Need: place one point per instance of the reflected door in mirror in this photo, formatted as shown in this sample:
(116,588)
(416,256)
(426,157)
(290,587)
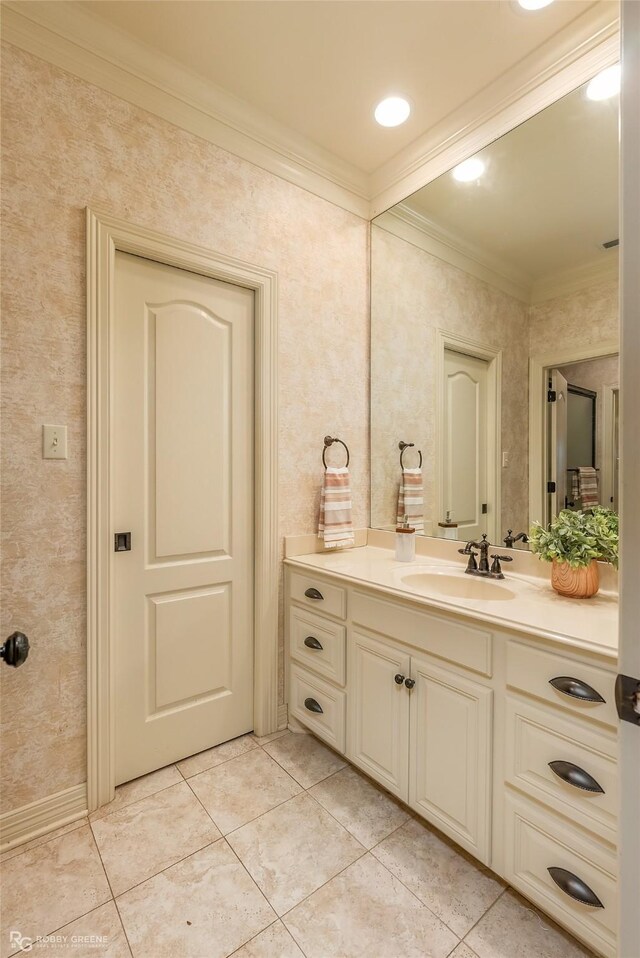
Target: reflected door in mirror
(465,443)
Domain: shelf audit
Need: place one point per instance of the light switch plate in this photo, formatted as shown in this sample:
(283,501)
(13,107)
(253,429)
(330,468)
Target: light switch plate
(54,442)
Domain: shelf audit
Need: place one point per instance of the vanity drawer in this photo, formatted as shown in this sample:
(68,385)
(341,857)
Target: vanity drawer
(533,670)
(318,643)
(535,738)
(318,595)
(536,841)
(319,706)
(444,638)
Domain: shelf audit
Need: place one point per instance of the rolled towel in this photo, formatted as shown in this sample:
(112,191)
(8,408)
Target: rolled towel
(335,525)
(588,487)
(411,499)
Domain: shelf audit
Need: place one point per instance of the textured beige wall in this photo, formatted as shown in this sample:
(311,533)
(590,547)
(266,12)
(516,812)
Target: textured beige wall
(67,145)
(586,318)
(413,293)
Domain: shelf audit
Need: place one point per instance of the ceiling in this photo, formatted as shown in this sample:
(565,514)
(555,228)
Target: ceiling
(548,198)
(319,67)
(290,85)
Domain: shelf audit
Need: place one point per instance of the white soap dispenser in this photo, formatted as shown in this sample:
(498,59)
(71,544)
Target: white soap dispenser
(405,542)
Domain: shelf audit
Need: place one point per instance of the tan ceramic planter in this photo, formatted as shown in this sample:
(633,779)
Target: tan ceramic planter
(576,583)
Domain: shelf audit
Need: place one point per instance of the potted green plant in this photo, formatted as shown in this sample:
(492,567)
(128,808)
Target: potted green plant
(574,542)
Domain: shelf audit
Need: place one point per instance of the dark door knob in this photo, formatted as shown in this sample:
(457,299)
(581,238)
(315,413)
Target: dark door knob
(409,683)
(399,679)
(312,643)
(15,650)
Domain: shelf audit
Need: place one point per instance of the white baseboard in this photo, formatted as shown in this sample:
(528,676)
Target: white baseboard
(283,716)
(38,818)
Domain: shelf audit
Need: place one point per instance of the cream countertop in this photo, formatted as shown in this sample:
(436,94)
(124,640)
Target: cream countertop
(531,606)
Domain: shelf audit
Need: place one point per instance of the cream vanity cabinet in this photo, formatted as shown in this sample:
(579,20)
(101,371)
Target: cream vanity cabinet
(410,709)
(506,743)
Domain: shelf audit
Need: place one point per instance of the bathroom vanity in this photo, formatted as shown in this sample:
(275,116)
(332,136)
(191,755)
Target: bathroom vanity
(486,706)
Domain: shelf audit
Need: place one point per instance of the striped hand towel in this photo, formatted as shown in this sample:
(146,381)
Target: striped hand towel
(335,525)
(411,499)
(588,487)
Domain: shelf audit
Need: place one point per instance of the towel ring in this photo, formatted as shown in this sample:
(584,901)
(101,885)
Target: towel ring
(403,446)
(328,441)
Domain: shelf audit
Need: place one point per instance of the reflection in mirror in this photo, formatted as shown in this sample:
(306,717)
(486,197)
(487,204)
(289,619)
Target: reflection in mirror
(490,296)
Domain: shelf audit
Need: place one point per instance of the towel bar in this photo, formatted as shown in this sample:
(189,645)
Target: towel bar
(328,441)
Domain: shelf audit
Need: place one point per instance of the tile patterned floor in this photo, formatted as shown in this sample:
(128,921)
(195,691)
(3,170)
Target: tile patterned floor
(262,848)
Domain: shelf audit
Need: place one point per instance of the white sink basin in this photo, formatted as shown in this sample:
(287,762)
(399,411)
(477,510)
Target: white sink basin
(457,585)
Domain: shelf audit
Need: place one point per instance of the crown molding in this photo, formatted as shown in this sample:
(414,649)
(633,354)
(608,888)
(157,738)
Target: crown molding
(570,58)
(569,281)
(422,232)
(76,40)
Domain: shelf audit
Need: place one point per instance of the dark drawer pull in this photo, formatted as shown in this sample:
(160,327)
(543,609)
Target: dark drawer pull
(576,776)
(312,593)
(576,689)
(313,706)
(312,643)
(574,887)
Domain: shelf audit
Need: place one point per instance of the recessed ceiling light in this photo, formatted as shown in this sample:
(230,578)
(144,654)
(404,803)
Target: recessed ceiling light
(534,4)
(392,111)
(605,84)
(468,170)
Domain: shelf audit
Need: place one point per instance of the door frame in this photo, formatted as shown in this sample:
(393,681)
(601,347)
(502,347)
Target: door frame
(539,366)
(493,357)
(107,234)
(607,445)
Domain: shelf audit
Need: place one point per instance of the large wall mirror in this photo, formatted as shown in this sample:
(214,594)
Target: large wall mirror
(494,315)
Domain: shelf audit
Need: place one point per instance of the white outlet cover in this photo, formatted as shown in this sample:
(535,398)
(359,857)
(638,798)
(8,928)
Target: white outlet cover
(54,442)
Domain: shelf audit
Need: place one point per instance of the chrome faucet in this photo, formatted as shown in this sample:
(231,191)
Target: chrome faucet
(510,540)
(482,568)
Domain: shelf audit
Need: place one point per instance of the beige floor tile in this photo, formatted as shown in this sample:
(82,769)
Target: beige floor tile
(42,839)
(274,942)
(453,887)
(294,849)
(368,812)
(263,739)
(139,788)
(304,757)
(244,788)
(142,839)
(365,911)
(97,935)
(515,929)
(203,907)
(463,951)
(216,756)
(51,885)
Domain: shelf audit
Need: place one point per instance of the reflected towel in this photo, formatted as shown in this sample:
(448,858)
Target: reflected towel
(588,487)
(335,525)
(411,499)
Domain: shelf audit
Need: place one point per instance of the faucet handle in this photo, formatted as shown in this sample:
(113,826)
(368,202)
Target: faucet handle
(497,559)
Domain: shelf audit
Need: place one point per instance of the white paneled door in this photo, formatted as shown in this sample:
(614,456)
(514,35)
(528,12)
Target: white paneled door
(465,443)
(182,486)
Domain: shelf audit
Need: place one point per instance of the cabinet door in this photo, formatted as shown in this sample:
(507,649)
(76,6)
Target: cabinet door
(378,709)
(450,755)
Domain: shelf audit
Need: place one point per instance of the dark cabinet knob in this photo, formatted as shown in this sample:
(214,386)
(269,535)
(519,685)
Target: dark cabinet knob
(312,643)
(576,776)
(313,706)
(575,688)
(574,887)
(409,683)
(399,679)
(312,593)
(15,650)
